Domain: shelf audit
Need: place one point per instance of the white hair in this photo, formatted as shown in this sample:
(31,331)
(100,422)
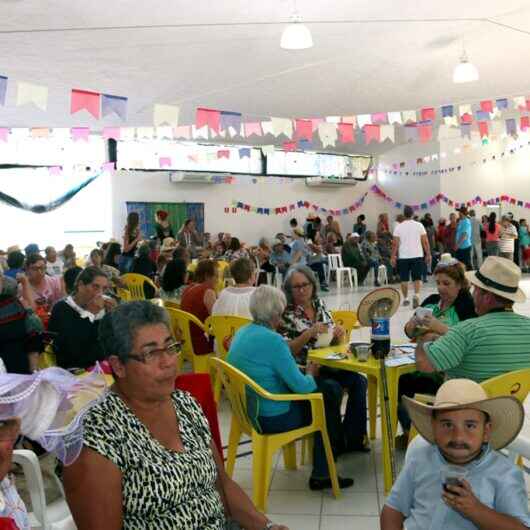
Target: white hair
(267,303)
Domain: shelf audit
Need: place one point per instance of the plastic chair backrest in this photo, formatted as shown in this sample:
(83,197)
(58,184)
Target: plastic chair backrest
(124,294)
(180,325)
(236,384)
(168,304)
(335,261)
(346,319)
(135,284)
(223,328)
(516,384)
(222,267)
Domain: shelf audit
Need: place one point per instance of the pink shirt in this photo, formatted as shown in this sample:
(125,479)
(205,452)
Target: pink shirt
(495,235)
(49,292)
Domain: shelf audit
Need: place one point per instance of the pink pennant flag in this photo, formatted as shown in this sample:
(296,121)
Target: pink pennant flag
(111,132)
(379,118)
(183,131)
(527,104)
(108,167)
(80,133)
(486,105)
(223,153)
(315,122)
(425,132)
(252,128)
(83,99)
(4,134)
(303,130)
(164,161)
(55,171)
(289,146)
(346,133)
(483,128)
(525,123)
(209,117)
(428,114)
(372,133)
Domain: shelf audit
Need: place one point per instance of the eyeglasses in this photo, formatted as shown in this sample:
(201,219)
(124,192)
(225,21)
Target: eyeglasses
(300,286)
(42,268)
(151,356)
(9,429)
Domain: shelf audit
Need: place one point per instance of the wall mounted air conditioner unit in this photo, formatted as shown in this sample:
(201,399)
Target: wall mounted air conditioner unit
(329,182)
(192,177)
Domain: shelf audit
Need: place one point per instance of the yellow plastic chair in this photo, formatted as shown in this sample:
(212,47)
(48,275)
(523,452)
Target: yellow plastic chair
(180,324)
(264,446)
(168,304)
(47,358)
(347,319)
(223,328)
(124,294)
(222,267)
(516,384)
(135,284)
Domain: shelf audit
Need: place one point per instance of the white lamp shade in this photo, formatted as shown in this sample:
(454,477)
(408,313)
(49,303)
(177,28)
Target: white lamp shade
(465,72)
(296,36)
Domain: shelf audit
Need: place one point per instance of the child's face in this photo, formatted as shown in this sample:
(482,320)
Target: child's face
(460,434)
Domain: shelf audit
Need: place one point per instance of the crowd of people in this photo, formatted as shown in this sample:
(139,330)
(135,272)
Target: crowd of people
(142,432)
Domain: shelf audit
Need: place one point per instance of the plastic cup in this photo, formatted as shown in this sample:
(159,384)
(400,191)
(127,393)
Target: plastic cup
(363,352)
(452,476)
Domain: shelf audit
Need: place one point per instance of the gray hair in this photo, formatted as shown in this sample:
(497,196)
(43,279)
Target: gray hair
(117,329)
(307,272)
(266,303)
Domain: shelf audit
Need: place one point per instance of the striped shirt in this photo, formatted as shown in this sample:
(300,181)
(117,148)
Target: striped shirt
(483,347)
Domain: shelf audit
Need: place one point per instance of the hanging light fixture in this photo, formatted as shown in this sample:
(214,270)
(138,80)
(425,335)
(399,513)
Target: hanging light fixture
(296,36)
(465,72)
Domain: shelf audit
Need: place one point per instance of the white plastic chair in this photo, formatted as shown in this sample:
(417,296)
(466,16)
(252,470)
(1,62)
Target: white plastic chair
(382,275)
(53,516)
(335,265)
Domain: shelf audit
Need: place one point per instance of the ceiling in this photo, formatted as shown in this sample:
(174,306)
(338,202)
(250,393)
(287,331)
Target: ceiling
(368,56)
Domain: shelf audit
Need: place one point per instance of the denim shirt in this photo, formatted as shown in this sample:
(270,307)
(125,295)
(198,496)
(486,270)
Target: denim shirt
(417,493)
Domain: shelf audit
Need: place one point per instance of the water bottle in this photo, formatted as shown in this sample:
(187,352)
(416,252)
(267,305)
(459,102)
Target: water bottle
(380,337)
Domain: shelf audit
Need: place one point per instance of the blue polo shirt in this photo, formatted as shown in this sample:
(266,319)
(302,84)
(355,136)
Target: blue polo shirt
(463,228)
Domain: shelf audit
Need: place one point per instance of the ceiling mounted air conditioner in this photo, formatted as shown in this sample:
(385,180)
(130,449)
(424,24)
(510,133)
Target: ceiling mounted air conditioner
(329,182)
(179,177)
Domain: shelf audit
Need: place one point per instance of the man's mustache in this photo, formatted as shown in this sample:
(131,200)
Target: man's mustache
(454,445)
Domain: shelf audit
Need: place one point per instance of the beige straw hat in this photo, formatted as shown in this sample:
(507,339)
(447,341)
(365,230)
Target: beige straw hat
(382,302)
(500,276)
(168,244)
(506,413)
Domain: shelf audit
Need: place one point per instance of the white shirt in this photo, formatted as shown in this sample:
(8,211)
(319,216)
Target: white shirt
(234,301)
(56,268)
(507,244)
(409,233)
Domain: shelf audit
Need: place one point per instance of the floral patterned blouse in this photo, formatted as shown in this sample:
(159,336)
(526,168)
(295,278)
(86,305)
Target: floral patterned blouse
(295,322)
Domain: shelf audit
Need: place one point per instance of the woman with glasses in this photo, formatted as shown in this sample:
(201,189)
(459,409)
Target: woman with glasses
(304,319)
(148,460)
(452,304)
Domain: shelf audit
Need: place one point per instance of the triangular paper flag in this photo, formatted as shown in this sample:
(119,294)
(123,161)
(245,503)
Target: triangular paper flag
(346,133)
(395,117)
(145,132)
(409,116)
(363,119)
(372,133)
(387,133)
(252,128)
(267,149)
(267,127)
(29,93)
(428,114)
(209,117)
(327,133)
(111,132)
(486,105)
(231,122)
(303,130)
(379,118)
(425,132)
(164,132)
(165,115)
(85,100)
(40,132)
(183,131)
(282,126)
(116,104)
(483,128)
(519,102)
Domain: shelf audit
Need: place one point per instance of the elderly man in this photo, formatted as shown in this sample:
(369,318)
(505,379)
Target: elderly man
(353,257)
(496,342)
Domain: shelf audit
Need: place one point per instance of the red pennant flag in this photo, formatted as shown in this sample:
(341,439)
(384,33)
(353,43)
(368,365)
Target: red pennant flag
(303,130)
(425,132)
(525,123)
(291,207)
(227,210)
(372,133)
(289,146)
(223,153)
(306,204)
(284,209)
(512,201)
(346,133)
(428,114)
(83,99)
(466,118)
(486,106)
(209,117)
(277,211)
(483,128)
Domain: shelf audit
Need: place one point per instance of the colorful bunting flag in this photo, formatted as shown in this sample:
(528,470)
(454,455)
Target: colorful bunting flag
(231,120)
(379,118)
(289,146)
(282,126)
(346,133)
(428,114)
(116,104)
(208,117)
(486,105)
(80,133)
(183,131)
(483,128)
(111,132)
(4,134)
(85,100)
(425,132)
(165,115)
(244,152)
(164,161)
(223,153)
(252,128)
(303,130)
(3,89)
(30,93)
(372,133)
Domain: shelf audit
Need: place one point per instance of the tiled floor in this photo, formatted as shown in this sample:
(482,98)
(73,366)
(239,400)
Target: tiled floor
(290,500)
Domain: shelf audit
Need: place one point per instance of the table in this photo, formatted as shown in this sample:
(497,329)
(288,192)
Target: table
(371,369)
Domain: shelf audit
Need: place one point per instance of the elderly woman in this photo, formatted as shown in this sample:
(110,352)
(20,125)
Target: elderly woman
(112,273)
(304,318)
(452,304)
(262,354)
(148,460)
(75,320)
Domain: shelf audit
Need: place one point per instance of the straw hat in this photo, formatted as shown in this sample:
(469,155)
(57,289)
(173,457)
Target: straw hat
(500,276)
(168,244)
(384,300)
(506,413)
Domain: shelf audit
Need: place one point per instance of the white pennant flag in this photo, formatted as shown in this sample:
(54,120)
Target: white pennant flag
(282,126)
(30,93)
(145,132)
(164,132)
(165,115)
(328,134)
(387,132)
(363,119)
(409,116)
(395,117)
(266,126)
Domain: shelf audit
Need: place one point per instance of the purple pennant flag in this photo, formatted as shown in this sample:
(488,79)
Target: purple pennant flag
(465,130)
(117,104)
(511,127)
(244,152)
(482,116)
(447,111)
(231,119)
(3,89)
(502,104)
(411,133)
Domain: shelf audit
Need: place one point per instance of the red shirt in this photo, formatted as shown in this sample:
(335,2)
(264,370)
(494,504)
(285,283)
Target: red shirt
(193,302)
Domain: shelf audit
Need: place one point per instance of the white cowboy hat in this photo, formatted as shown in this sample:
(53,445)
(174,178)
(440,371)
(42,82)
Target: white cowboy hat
(386,299)
(505,413)
(500,276)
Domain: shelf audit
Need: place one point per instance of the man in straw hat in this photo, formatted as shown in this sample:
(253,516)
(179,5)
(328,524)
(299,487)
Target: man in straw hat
(459,480)
(496,342)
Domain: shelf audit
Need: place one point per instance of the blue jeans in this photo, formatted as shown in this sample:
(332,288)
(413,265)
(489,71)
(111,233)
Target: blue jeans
(374,264)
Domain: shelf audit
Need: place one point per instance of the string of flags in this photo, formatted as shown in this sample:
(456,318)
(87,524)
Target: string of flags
(441,197)
(238,206)
(486,117)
